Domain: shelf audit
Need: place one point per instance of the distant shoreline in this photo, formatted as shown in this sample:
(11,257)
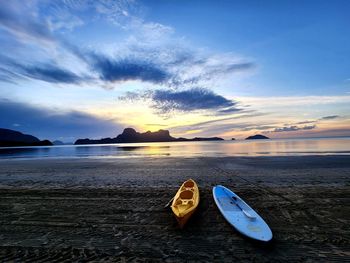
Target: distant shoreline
(130,135)
(179,141)
(226,148)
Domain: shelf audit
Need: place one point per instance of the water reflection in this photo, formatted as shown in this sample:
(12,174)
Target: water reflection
(24,152)
(116,150)
(186,149)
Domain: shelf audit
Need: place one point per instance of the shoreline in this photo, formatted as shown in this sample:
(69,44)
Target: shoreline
(168,155)
(246,148)
(113,209)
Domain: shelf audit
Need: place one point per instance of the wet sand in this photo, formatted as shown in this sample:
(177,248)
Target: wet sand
(107,210)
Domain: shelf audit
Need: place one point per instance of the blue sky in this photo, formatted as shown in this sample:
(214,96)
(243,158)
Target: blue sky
(292,42)
(74,69)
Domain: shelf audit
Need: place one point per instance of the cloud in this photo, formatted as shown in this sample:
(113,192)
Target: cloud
(218,122)
(179,67)
(192,72)
(156,124)
(38,20)
(165,101)
(171,65)
(305,122)
(45,72)
(331,117)
(228,110)
(261,127)
(17,17)
(8,76)
(128,69)
(50,73)
(295,101)
(53,124)
(189,100)
(150,52)
(294,128)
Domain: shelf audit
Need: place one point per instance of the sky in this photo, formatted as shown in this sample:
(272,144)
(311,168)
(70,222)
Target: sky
(74,69)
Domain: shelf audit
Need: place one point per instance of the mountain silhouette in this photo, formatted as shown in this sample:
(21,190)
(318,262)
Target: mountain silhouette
(10,138)
(257,137)
(130,135)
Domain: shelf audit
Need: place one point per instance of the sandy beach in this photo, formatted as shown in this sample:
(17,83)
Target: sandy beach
(111,210)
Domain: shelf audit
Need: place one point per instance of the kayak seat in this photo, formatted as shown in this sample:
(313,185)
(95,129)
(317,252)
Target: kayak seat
(189,184)
(186,194)
(186,197)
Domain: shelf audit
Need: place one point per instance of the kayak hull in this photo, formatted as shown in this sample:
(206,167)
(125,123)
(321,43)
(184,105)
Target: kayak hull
(183,220)
(185,202)
(240,215)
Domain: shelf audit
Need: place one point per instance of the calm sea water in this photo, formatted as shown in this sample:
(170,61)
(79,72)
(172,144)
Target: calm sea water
(277,147)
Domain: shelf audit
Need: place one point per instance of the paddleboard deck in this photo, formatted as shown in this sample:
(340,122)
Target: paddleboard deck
(240,215)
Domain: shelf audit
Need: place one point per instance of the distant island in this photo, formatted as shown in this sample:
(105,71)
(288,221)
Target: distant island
(57,142)
(130,135)
(10,138)
(257,137)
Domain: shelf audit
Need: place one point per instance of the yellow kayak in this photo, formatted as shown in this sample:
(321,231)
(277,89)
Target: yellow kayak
(185,202)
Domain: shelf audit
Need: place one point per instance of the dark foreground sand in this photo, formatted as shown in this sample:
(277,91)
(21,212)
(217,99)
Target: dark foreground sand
(112,210)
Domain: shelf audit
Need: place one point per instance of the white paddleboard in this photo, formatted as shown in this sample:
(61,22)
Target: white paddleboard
(240,215)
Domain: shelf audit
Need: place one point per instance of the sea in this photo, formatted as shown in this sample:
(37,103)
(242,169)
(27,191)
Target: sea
(272,147)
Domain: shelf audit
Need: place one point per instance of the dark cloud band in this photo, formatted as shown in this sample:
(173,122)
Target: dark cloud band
(331,117)
(294,128)
(44,72)
(50,73)
(166,101)
(128,69)
(51,124)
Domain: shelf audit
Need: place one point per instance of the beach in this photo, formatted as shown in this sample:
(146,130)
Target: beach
(112,209)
